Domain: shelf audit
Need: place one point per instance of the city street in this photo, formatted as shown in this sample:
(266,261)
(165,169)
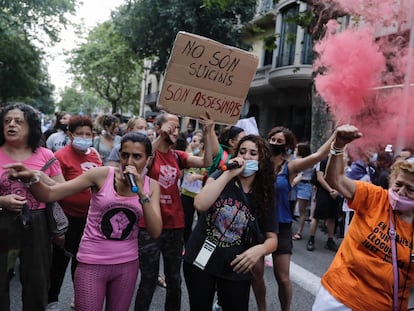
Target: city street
(306,270)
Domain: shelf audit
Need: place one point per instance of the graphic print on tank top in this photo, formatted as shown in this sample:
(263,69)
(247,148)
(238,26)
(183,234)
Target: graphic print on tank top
(118,222)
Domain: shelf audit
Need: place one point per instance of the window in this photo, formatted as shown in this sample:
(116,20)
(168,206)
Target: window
(268,57)
(307,50)
(287,42)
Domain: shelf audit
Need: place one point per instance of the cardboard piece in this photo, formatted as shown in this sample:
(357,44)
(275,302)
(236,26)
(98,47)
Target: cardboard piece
(205,75)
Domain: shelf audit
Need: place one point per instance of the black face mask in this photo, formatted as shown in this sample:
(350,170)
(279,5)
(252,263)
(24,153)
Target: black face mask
(63,127)
(277,149)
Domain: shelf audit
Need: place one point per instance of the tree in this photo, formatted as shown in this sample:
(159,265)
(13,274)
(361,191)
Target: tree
(150,26)
(77,101)
(105,64)
(22,73)
(46,15)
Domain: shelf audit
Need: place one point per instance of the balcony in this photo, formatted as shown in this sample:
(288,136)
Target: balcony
(291,76)
(268,79)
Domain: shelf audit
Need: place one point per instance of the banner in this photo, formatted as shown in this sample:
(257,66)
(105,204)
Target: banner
(205,75)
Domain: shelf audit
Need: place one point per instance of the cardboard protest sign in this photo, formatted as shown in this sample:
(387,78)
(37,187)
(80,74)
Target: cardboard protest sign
(204,75)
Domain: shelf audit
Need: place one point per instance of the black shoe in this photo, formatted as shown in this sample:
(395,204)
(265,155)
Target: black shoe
(331,245)
(311,245)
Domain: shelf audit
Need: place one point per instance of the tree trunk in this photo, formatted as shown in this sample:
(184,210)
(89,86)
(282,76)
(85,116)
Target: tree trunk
(322,121)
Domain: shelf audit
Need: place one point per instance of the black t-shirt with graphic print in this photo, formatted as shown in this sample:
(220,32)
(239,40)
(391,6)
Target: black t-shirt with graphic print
(224,224)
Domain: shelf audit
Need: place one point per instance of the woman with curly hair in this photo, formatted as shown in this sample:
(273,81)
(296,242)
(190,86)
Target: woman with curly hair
(237,227)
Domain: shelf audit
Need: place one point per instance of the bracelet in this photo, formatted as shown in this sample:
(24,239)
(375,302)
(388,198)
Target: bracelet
(34,180)
(146,199)
(336,151)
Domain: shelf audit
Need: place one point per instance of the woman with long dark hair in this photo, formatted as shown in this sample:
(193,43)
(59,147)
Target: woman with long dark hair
(23,227)
(237,208)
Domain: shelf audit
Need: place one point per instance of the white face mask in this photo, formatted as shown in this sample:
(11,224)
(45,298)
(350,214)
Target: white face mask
(81,144)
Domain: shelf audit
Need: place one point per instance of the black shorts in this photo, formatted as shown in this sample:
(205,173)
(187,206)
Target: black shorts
(284,237)
(326,207)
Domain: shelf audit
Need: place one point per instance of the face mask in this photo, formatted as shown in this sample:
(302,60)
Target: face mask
(82,144)
(251,167)
(374,157)
(277,149)
(63,127)
(144,132)
(400,203)
(196,151)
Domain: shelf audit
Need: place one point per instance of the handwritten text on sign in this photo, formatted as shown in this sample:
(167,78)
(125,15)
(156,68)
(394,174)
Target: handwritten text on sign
(205,75)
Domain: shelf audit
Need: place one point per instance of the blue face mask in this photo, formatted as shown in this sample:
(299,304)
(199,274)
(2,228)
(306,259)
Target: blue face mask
(81,144)
(144,132)
(251,167)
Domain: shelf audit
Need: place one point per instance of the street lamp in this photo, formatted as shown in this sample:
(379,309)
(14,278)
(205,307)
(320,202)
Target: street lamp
(143,90)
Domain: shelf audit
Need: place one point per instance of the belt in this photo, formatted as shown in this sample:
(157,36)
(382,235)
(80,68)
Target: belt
(305,181)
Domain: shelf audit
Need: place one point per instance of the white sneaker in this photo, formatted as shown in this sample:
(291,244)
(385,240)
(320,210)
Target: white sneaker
(217,307)
(53,306)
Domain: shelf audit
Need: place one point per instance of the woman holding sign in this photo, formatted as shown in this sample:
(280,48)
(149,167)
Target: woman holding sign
(238,226)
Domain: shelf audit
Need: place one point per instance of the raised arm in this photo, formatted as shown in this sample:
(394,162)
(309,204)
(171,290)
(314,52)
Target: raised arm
(211,191)
(206,160)
(335,175)
(299,165)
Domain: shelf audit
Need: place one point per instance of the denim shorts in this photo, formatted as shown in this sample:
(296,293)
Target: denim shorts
(304,190)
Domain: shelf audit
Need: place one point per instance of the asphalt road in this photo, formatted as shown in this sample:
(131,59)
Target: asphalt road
(306,270)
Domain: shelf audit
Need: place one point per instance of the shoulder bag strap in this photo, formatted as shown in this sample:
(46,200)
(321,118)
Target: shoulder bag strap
(47,164)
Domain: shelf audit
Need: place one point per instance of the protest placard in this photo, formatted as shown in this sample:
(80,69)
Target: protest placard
(205,75)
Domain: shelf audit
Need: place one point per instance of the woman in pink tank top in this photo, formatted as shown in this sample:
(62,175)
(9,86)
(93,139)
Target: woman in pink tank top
(108,252)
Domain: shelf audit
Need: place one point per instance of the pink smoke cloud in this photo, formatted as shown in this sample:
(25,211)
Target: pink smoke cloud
(353,66)
(359,72)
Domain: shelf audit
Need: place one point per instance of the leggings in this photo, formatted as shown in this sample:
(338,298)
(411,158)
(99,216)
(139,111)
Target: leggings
(170,245)
(94,283)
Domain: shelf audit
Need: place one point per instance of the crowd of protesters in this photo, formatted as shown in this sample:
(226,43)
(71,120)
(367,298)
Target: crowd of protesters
(212,203)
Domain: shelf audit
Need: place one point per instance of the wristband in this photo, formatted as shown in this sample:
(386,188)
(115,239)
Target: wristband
(146,199)
(336,151)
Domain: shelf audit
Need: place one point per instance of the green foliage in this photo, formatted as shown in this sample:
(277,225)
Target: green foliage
(106,65)
(269,42)
(76,101)
(150,26)
(46,15)
(22,74)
